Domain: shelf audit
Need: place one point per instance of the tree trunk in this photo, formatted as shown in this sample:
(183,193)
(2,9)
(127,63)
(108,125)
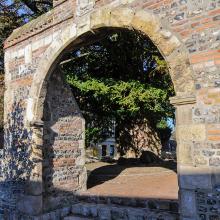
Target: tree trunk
(135,137)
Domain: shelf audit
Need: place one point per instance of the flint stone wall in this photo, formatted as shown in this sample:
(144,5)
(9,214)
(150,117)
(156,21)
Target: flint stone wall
(187,34)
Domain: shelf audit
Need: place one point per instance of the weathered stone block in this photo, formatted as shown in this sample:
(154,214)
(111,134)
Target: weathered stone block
(83,25)
(215,161)
(184,114)
(191,132)
(200,160)
(184,152)
(35,188)
(31,205)
(118,214)
(65,211)
(180,65)
(100,18)
(76,209)
(188,204)
(194,177)
(147,23)
(121,17)
(167,46)
(104,213)
(135,215)
(28,54)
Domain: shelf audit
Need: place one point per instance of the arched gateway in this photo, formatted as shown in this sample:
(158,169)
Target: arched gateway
(43,161)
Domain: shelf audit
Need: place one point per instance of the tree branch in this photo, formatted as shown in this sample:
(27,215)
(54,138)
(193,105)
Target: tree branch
(31,5)
(45,3)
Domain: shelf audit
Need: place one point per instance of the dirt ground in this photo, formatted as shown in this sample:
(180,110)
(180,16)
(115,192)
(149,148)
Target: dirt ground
(139,181)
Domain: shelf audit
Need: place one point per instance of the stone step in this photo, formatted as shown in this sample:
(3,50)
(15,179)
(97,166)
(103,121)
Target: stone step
(166,205)
(74,217)
(113,212)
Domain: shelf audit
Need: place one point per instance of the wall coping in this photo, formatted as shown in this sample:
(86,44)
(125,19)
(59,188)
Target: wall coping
(34,27)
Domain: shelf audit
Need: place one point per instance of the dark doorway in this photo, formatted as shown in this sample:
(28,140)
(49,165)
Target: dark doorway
(112,150)
(104,150)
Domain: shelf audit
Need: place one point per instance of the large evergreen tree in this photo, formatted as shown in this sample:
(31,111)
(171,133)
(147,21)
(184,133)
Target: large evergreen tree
(125,78)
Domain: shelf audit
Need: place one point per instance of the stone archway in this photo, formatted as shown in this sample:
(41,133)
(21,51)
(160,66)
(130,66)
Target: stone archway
(170,47)
(187,35)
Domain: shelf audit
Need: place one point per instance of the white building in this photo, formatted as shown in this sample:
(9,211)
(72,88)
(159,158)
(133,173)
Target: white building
(107,148)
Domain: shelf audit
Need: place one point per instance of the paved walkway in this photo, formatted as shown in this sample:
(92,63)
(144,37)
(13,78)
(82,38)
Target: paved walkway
(139,182)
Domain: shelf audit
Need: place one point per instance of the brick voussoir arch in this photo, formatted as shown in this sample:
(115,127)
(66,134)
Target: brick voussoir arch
(120,17)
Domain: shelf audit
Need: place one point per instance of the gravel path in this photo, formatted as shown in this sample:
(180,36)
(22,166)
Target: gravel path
(154,182)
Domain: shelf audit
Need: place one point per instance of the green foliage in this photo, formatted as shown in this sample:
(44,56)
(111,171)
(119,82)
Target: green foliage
(94,134)
(124,77)
(128,99)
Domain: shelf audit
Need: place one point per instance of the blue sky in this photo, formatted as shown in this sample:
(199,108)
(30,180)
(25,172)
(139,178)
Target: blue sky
(9,2)
(21,11)
(170,123)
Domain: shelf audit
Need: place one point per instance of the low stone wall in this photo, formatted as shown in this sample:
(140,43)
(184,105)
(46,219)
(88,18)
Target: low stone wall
(9,192)
(113,212)
(111,208)
(151,204)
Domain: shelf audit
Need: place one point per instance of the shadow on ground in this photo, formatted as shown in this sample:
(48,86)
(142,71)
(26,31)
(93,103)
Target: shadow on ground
(106,173)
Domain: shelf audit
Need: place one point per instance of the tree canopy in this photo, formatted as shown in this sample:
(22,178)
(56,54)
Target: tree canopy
(122,77)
